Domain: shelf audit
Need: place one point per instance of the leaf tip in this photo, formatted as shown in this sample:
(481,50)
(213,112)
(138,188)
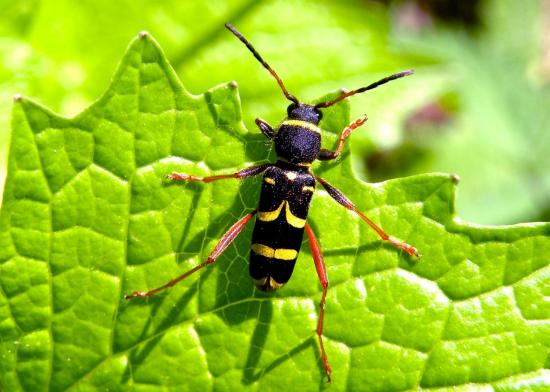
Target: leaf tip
(143,34)
(233,84)
(17,98)
(455,178)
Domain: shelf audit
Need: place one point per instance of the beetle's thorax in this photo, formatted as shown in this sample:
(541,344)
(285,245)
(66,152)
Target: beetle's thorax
(298,139)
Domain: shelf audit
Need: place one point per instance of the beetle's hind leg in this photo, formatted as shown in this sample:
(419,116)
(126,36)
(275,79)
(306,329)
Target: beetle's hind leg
(322,273)
(221,246)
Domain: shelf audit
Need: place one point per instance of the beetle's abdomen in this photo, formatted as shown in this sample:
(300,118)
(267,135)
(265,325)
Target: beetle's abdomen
(279,227)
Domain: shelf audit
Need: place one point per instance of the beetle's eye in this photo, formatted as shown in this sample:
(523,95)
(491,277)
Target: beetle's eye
(290,108)
(319,114)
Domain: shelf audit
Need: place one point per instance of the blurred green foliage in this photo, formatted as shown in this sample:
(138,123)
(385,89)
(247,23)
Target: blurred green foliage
(485,83)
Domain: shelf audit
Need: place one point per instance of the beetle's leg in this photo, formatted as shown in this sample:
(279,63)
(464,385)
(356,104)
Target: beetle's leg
(222,245)
(244,173)
(322,273)
(340,198)
(325,155)
(266,129)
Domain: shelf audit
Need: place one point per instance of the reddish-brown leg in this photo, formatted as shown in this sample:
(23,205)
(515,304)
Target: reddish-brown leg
(340,198)
(222,245)
(322,273)
(325,155)
(245,173)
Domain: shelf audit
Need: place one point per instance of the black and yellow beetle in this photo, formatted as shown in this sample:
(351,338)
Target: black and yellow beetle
(287,189)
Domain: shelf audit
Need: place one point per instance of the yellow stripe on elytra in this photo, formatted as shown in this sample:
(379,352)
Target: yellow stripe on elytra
(274,284)
(285,254)
(269,216)
(269,180)
(308,189)
(302,124)
(292,220)
(280,254)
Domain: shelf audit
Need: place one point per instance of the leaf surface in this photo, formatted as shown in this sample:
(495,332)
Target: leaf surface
(88,216)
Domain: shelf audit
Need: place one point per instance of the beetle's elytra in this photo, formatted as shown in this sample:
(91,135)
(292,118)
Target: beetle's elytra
(287,188)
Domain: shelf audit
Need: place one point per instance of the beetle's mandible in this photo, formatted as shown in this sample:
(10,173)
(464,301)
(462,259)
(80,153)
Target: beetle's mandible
(287,188)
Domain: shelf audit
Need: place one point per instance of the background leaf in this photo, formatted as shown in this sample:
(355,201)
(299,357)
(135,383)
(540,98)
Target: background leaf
(88,216)
(496,135)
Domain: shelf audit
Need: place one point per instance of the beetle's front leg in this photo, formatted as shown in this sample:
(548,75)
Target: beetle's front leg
(325,155)
(244,173)
(266,129)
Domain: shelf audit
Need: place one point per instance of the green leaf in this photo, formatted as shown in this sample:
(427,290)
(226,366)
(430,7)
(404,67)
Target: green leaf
(88,216)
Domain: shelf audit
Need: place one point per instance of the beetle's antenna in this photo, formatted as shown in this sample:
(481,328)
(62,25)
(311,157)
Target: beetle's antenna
(288,95)
(363,89)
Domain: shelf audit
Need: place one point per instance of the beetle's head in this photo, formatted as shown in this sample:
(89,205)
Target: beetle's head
(304,112)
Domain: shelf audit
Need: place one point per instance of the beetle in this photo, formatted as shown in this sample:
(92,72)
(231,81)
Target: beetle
(287,189)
